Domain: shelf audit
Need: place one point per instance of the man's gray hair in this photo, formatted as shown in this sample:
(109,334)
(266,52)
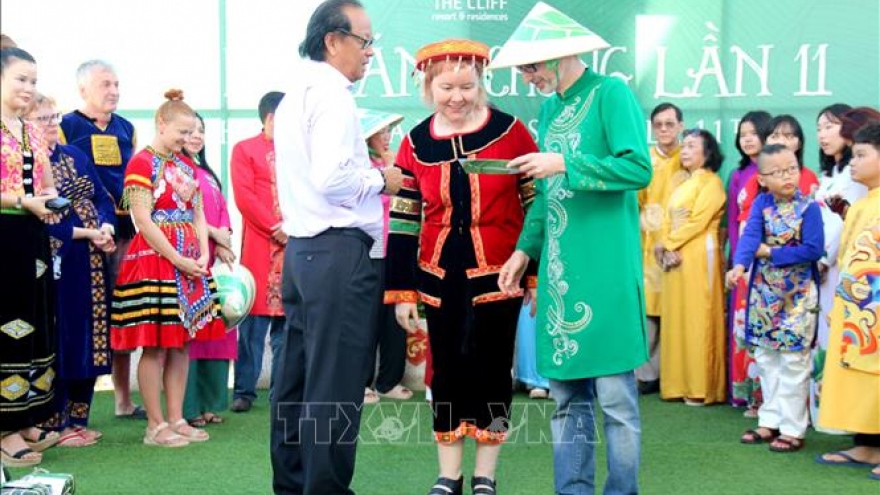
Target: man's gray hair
(84,71)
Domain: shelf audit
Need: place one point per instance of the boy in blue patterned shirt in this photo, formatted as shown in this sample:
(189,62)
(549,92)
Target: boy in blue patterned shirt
(782,241)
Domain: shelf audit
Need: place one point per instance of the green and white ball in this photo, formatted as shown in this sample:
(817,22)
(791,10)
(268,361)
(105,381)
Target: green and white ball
(236,291)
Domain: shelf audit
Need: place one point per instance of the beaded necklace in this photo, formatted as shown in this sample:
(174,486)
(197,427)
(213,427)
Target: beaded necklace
(169,157)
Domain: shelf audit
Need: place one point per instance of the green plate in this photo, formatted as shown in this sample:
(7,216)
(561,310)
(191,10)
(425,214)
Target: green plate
(495,167)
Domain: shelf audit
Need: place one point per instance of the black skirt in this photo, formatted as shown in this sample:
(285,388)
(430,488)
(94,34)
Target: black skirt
(472,356)
(27,315)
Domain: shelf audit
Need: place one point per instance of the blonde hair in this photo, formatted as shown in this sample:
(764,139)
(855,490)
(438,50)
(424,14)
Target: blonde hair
(6,42)
(174,107)
(38,101)
(436,68)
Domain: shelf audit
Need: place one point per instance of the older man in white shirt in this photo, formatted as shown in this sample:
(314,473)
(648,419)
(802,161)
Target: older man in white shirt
(329,198)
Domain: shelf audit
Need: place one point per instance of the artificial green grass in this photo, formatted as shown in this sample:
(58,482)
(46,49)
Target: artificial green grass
(685,450)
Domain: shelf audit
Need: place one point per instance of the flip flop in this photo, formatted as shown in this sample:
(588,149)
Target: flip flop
(137,413)
(74,440)
(874,476)
(849,462)
(91,434)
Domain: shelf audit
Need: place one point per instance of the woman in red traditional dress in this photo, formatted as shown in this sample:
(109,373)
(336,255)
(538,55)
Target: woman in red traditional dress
(164,297)
(450,256)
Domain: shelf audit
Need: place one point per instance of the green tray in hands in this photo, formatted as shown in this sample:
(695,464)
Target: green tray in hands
(493,167)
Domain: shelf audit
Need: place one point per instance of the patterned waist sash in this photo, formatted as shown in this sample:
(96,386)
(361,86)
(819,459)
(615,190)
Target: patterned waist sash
(173,215)
(13,211)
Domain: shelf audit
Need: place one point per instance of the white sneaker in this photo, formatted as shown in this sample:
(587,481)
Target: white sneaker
(538,393)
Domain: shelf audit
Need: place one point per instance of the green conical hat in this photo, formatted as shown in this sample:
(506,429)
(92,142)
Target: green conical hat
(373,121)
(546,34)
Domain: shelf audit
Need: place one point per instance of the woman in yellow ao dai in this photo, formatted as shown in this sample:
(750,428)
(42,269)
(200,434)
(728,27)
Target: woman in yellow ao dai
(692,350)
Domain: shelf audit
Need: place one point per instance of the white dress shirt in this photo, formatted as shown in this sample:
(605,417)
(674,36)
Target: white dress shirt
(324,174)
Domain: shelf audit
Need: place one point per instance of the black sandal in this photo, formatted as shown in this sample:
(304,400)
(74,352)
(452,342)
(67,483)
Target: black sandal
(20,459)
(446,486)
(481,485)
(752,437)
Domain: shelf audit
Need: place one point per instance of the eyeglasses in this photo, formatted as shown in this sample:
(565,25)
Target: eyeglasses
(782,172)
(365,42)
(527,68)
(55,118)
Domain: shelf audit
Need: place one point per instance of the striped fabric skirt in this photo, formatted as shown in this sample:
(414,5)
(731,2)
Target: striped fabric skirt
(155,305)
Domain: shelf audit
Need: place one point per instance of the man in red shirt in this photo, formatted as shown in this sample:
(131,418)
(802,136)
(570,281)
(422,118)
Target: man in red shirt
(262,251)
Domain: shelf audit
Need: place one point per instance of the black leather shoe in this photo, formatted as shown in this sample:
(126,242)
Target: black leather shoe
(446,486)
(481,485)
(648,388)
(240,405)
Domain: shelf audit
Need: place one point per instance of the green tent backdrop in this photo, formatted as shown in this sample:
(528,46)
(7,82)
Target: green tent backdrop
(714,59)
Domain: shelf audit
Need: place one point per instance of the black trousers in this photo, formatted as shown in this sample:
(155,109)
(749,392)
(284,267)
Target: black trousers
(391,340)
(866,440)
(329,290)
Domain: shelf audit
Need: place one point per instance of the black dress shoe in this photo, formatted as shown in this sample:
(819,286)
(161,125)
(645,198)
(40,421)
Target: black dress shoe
(446,486)
(240,405)
(648,388)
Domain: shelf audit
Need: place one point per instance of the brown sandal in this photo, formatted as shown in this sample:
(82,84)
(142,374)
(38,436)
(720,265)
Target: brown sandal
(212,419)
(752,437)
(786,444)
(198,422)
